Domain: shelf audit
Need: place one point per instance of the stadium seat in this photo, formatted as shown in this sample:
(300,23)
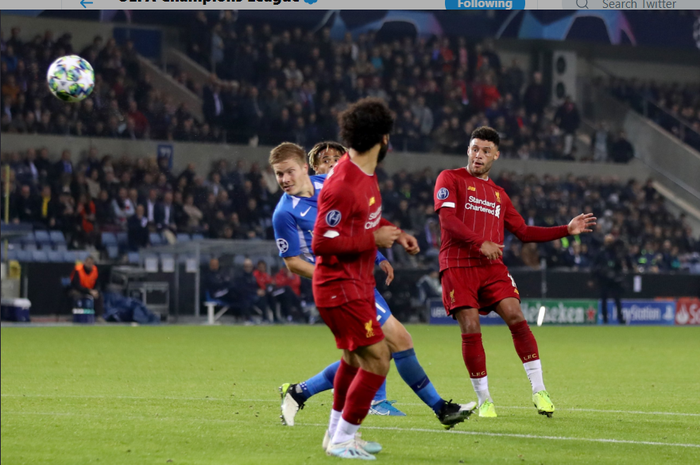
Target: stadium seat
(238,260)
(12,254)
(108,239)
(40,256)
(182,237)
(57,238)
(134,258)
(82,255)
(60,247)
(42,238)
(55,256)
(197,237)
(70,256)
(122,239)
(23,256)
(112,252)
(28,239)
(30,246)
(155,239)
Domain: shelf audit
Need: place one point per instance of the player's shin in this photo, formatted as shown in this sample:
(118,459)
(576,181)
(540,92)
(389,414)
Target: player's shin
(359,399)
(413,374)
(475,361)
(526,347)
(323,381)
(343,380)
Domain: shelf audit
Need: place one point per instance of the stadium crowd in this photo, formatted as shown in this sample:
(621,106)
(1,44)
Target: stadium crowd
(140,196)
(270,88)
(675,107)
(289,86)
(124,104)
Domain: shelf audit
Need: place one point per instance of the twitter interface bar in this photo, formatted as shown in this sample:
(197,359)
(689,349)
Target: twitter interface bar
(650,5)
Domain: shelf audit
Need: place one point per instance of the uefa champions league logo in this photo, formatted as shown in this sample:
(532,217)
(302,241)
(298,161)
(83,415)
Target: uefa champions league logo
(282,245)
(333,218)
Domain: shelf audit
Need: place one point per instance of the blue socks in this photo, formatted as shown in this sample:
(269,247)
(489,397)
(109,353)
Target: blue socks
(406,364)
(319,383)
(381,393)
(324,381)
(414,375)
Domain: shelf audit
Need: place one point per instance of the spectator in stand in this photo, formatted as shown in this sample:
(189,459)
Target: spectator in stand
(252,297)
(568,120)
(122,208)
(137,227)
(622,150)
(219,285)
(288,294)
(165,216)
(536,96)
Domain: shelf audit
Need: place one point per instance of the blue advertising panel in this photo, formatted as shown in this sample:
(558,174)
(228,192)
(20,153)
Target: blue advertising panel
(642,312)
(439,317)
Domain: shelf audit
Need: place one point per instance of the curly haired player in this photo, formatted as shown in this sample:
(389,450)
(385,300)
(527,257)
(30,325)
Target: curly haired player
(473,214)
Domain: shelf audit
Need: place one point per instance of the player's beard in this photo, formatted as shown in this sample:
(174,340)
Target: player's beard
(383,149)
(480,171)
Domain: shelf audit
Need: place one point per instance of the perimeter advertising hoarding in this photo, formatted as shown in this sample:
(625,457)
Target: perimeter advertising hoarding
(688,311)
(642,312)
(557,312)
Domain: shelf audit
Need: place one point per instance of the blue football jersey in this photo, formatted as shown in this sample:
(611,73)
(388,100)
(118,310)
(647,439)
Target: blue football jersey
(293,222)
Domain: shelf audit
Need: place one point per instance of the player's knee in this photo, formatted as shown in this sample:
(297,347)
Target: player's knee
(468,320)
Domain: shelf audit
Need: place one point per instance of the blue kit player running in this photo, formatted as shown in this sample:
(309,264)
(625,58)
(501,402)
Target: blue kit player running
(293,222)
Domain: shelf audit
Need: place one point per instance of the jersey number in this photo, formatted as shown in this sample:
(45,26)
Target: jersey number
(512,281)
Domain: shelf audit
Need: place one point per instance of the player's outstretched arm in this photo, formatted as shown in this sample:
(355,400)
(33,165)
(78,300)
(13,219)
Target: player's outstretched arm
(516,225)
(582,224)
(299,266)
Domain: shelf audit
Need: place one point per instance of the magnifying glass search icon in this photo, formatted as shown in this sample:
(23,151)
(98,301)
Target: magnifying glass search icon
(582,4)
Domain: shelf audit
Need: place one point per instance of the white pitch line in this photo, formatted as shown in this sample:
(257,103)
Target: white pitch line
(523,436)
(388,428)
(215,399)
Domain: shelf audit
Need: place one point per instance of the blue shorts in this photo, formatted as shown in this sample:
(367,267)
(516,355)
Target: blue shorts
(383,310)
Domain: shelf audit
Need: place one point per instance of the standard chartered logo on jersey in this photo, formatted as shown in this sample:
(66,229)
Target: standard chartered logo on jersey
(374,219)
(479,205)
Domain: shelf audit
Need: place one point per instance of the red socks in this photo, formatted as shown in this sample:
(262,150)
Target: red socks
(343,379)
(360,395)
(524,341)
(474,355)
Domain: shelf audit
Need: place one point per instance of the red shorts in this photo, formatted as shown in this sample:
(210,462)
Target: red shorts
(480,287)
(354,324)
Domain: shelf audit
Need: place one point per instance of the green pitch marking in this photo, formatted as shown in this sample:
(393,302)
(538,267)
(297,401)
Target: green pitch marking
(208,395)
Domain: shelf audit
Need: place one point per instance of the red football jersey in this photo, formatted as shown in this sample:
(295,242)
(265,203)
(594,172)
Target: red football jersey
(349,211)
(486,210)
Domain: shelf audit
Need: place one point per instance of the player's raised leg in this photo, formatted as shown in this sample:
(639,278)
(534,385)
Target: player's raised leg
(475,358)
(401,345)
(295,395)
(526,347)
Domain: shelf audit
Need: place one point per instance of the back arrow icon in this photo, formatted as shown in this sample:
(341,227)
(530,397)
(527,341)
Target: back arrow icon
(83,3)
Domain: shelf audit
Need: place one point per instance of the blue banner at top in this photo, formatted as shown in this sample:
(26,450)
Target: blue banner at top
(484,4)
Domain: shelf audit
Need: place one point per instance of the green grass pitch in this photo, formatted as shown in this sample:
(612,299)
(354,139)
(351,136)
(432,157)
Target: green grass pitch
(208,395)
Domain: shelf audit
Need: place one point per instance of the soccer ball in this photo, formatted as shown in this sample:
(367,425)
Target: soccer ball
(71,78)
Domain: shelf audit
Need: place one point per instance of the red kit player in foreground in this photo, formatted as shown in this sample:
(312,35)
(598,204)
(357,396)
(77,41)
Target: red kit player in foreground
(473,213)
(348,229)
